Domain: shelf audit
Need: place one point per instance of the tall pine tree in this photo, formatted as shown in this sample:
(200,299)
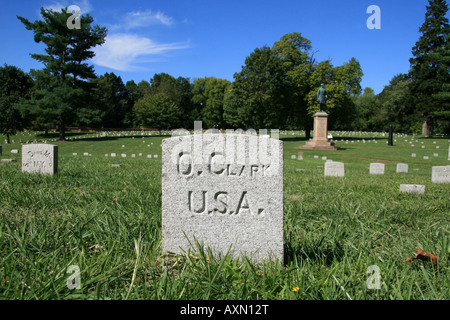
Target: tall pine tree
(64,87)
(430,69)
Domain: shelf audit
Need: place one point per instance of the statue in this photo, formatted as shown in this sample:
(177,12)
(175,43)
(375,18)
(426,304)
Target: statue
(321,97)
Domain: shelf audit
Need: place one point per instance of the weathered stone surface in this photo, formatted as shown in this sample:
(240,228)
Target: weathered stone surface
(402,167)
(334,169)
(376,168)
(412,188)
(40,158)
(226,190)
(440,174)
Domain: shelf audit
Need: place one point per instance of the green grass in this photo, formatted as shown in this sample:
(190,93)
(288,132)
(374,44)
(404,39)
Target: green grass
(107,221)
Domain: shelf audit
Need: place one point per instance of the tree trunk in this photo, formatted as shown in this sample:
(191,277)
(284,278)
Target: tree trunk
(62,131)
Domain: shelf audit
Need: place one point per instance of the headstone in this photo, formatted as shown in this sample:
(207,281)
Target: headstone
(116,165)
(402,167)
(113,155)
(436,154)
(15,151)
(226,190)
(293,156)
(124,155)
(426,157)
(440,174)
(413,155)
(300,156)
(149,156)
(40,158)
(85,153)
(8,160)
(334,169)
(412,188)
(74,154)
(376,168)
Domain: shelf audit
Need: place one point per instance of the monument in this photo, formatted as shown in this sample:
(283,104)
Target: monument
(320,140)
(40,158)
(226,192)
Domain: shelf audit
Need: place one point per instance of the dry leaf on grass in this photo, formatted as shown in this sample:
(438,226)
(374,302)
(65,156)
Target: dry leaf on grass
(422,255)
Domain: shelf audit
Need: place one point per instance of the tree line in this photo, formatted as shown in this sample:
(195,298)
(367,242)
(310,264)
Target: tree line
(275,88)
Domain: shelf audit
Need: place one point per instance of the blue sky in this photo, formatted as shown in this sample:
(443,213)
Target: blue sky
(198,38)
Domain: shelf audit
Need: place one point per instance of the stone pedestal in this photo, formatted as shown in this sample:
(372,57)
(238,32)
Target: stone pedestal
(320,140)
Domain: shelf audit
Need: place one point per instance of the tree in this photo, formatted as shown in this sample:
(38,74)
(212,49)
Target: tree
(208,95)
(14,85)
(396,106)
(111,98)
(430,69)
(298,61)
(341,83)
(260,95)
(157,111)
(65,66)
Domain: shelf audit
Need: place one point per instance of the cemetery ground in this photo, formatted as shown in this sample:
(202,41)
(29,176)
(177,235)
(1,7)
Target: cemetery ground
(107,221)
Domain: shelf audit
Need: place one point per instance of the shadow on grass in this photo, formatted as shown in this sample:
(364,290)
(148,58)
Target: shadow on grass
(316,253)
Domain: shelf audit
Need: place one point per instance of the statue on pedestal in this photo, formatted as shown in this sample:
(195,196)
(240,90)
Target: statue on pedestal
(321,97)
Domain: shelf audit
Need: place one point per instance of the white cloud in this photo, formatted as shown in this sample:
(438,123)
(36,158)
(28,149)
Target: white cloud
(146,18)
(84,5)
(121,51)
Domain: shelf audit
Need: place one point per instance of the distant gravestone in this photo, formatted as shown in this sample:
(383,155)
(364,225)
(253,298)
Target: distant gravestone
(440,174)
(8,160)
(412,188)
(402,167)
(15,151)
(40,158)
(226,190)
(413,155)
(376,168)
(334,169)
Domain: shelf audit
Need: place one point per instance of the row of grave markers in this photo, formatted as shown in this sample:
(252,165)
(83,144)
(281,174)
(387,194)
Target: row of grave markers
(216,203)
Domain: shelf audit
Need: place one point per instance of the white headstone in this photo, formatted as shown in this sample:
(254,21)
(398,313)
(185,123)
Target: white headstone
(413,155)
(16,151)
(334,169)
(402,167)
(40,158)
(113,155)
(412,188)
(440,174)
(226,190)
(376,168)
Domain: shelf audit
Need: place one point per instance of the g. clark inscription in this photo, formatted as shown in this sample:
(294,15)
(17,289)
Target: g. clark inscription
(225,190)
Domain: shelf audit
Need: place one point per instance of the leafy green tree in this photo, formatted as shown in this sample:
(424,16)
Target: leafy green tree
(298,62)
(66,69)
(14,85)
(366,111)
(158,111)
(430,68)
(396,105)
(261,94)
(179,90)
(111,98)
(342,83)
(208,95)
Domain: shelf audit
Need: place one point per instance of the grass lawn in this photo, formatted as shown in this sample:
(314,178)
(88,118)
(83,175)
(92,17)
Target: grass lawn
(107,221)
